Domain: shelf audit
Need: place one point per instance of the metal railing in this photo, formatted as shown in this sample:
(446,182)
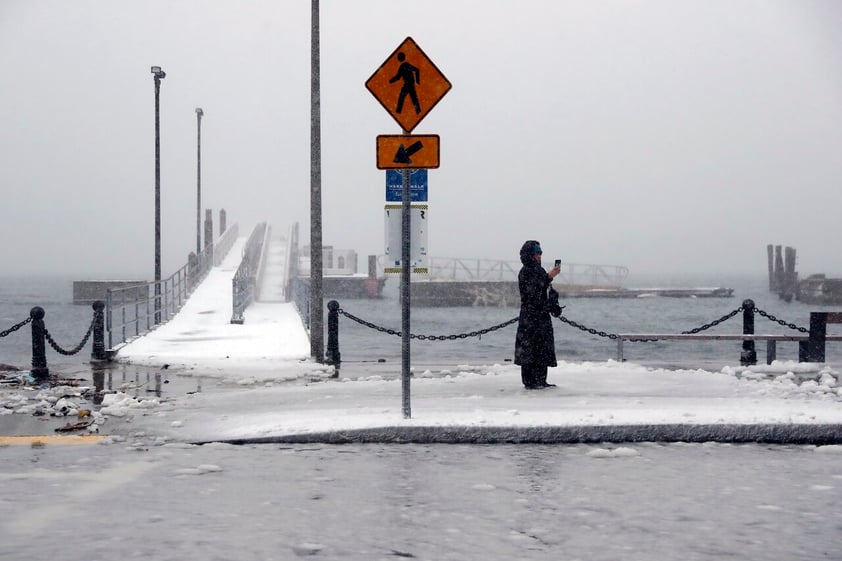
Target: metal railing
(261,267)
(130,311)
(771,340)
(301,299)
(497,270)
(244,282)
(224,243)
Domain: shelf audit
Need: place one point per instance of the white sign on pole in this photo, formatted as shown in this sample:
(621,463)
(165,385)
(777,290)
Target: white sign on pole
(417,236)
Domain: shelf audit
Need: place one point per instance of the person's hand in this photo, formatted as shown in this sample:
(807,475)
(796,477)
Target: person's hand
(554,271)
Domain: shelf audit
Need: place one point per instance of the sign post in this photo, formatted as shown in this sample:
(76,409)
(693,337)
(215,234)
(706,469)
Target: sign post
(408,85)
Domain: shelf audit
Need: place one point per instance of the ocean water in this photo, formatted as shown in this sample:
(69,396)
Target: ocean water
(359,343)
(67,323)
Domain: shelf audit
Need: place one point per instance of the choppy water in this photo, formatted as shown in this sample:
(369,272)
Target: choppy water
(358,344)
(635,315)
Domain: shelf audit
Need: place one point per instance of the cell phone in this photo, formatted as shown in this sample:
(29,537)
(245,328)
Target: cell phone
(558,262)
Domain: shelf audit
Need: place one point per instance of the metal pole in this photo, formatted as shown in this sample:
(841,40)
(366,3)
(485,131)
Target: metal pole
(316,297)
(406,221)
(158,74)
(199,114)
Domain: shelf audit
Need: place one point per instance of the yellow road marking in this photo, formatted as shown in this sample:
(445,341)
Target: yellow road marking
(50,439)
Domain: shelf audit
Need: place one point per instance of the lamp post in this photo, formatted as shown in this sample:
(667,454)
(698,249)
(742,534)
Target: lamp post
(199,114)
(158,76)
(317,335)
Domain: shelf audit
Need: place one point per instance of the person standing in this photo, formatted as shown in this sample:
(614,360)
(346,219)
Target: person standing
(535,342)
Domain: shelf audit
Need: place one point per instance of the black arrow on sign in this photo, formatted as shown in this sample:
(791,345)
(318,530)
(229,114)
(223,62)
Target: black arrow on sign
(403,154)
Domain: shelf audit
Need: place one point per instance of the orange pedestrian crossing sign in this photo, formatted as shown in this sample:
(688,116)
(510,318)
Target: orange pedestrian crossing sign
(408,85)
(399,151)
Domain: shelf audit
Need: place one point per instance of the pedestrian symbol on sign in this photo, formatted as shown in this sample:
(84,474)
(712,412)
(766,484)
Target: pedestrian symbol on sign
(410,76)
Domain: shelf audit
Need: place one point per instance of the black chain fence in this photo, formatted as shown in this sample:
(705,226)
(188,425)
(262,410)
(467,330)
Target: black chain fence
(770,317)
(715,322)
(477,333)
(75,349)
(15,327)
(570,322)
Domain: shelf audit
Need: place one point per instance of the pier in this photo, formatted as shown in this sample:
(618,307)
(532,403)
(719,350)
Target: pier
(453,282)
(785,281)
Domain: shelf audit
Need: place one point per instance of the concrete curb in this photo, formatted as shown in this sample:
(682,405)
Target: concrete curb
(816,434)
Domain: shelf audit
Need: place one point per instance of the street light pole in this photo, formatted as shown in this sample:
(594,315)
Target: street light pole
(158,75)
(199,114)
(316,262)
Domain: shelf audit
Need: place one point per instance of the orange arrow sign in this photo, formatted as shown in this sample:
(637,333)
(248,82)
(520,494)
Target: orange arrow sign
(403,151)
(408,85)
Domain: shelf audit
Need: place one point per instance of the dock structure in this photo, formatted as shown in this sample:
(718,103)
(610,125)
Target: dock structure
(783,279)
(483,282)
(785,282)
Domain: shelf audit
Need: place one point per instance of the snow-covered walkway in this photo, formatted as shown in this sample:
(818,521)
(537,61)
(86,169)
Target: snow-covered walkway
(201,335)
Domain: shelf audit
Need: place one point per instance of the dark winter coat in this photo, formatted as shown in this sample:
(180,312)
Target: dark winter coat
(534,342)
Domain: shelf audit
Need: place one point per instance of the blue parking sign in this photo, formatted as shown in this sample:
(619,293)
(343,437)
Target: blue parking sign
(417,185)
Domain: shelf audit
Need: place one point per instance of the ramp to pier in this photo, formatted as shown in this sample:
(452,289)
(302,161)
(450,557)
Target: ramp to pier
(200,336)
(274,275)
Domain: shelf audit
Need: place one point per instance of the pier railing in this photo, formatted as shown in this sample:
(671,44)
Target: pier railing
(497,270)
(131,311)
(771,341)
(244,282)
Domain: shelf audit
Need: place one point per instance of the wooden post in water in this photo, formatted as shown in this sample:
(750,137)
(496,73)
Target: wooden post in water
(790,276)
(779,270)
(770,254)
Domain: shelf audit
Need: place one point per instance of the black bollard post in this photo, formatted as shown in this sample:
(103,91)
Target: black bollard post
(749,355)
(98,350)
(39,348)
(333,357)
(818,336)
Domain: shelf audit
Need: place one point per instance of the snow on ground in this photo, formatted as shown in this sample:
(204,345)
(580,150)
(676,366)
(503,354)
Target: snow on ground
(588,394)
(249,360)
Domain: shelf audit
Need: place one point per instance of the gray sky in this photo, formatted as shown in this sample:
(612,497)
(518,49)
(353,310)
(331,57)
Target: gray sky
(660,135)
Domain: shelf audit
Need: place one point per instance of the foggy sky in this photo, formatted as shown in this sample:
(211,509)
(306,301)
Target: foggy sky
(659,135)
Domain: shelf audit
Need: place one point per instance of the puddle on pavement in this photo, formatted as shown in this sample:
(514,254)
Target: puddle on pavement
(140,383)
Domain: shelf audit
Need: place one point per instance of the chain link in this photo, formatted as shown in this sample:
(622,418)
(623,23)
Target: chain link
(77,348)
(571,323)
(590,330)
(478,333)
(715,322)
(15,327)
(780,321)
